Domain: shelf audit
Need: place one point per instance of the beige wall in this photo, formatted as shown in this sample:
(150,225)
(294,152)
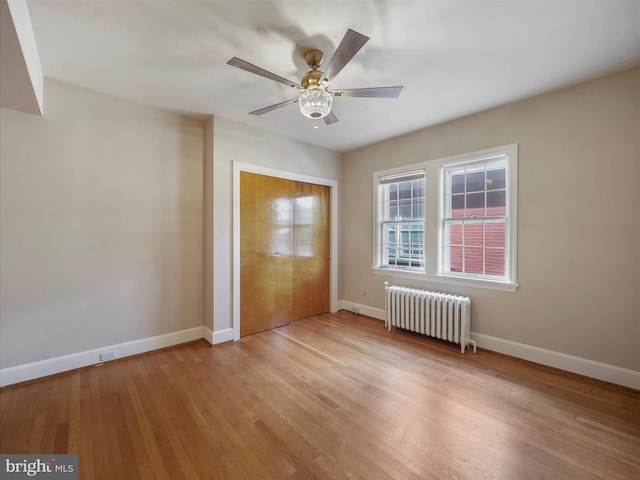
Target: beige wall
(579,220)
(101,237)
(237,142)
(115,219)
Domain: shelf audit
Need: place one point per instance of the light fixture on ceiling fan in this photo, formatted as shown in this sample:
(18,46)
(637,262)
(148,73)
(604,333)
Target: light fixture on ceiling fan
(315,103)
(316,100)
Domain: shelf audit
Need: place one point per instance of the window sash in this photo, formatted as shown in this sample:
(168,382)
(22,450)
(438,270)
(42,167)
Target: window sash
(473,249)
(466,251)
(406,241)
(400,241)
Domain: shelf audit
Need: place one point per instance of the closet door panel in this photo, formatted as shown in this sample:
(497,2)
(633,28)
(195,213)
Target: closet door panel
(266,263)
(311,248)
(284,251)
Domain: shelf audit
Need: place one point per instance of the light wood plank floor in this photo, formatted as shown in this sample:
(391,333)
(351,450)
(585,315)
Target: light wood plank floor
(330,397)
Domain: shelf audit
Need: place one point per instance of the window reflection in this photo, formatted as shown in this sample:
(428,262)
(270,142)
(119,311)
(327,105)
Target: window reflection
(281,235)
(295,220)
(303,219)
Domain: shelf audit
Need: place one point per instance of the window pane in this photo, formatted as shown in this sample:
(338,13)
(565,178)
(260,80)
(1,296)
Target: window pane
(475,205)
(418,188)
(457,183)
(391,255)
(496,179)
(473,233)
(494,261)
(454,234)
(389,233)
(455,259)
(393,191)
(417,235)
(404,190)
(496,203)
(393,211)
(405,210)
(494,234)
(473,260)
(475,182)
(457,206)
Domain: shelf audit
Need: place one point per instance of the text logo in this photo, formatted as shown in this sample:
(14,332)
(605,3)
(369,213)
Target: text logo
(50,467)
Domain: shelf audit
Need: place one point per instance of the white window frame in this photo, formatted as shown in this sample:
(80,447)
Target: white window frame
(382,259)
(434,211)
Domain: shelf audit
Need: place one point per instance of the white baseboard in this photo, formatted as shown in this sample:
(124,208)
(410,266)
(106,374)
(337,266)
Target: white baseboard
(362,309)
(570,363)
(207,334)
(221,336)
(51,366)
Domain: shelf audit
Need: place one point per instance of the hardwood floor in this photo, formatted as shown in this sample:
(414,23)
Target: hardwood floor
(329,397)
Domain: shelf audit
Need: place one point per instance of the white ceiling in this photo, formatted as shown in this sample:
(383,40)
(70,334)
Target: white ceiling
(453,57)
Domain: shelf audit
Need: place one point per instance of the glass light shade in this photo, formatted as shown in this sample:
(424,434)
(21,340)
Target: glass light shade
(315,103)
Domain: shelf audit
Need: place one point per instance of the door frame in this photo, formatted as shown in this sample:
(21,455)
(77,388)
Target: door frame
(273,172)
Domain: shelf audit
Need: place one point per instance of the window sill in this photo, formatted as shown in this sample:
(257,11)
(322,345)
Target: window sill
(448,279)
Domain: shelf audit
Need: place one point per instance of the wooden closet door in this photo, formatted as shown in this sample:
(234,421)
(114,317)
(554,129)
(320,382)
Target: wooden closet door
(266,266)
(284,251)
(311,248)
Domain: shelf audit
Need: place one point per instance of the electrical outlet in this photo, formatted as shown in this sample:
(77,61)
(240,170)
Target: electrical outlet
(110,355)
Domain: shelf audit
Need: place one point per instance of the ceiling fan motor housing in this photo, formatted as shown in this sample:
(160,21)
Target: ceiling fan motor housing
(312,77)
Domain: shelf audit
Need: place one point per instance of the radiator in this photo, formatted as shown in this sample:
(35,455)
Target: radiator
(439,315)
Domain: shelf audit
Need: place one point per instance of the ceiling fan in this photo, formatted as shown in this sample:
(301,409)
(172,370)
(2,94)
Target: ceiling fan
(315,100)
